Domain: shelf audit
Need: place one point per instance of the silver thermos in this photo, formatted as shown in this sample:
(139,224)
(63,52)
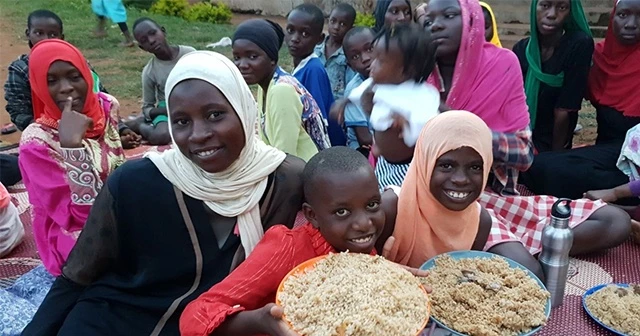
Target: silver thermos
(557,239)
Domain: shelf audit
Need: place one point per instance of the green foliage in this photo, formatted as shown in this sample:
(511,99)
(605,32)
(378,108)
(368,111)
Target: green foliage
(366,20)
(170,7)
(207,12)
(141,4)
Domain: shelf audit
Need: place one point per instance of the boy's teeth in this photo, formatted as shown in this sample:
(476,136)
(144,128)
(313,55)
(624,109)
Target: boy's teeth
(362,240)
(458,195)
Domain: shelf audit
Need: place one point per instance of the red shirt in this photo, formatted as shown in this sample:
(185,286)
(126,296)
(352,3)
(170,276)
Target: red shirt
(254,283)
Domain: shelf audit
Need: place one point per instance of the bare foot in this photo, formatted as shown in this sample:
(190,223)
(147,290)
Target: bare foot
(635,231)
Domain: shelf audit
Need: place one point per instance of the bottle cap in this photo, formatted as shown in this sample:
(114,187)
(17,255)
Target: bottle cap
(561,208)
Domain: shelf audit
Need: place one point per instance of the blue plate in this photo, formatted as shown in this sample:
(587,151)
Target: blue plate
(456,255)
(586,309)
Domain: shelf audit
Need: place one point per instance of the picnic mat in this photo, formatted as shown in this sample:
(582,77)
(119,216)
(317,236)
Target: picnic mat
(616,265)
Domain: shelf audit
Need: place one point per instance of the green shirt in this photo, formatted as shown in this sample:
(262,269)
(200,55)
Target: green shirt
(281,121)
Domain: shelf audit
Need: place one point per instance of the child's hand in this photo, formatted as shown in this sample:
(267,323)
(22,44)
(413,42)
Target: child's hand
(386,250)
(72,126)
(607,195)
(337,110)
(129,139)
(272,323)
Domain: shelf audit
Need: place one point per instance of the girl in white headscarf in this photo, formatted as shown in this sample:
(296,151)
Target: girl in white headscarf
(168,227)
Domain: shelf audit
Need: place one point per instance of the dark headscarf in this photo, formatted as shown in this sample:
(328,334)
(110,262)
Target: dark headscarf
(266,34)
(381,10)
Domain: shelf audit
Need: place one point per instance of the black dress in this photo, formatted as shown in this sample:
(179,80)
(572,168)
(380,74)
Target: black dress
(573,57)
(147,250)
(573,172)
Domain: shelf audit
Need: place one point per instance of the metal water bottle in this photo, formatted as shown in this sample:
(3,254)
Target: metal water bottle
(557,239)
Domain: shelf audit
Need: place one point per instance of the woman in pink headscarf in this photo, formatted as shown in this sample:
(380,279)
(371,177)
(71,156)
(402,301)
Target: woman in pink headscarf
(477,76)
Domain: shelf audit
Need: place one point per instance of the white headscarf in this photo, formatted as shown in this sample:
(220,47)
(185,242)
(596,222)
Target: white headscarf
(236,191)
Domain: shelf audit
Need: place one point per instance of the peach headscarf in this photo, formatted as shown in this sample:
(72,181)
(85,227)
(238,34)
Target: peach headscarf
(424,227)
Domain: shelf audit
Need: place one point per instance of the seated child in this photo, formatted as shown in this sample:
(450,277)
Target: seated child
(303,32)
(442,207)
(330,51)
(11,229)
(358,48)
(42,25)
(343,212)
(151,37)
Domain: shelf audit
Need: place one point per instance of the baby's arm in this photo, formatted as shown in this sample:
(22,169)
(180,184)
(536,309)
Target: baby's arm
(236,305)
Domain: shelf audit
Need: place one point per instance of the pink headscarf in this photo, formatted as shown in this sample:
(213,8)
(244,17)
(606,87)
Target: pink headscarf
(487,80)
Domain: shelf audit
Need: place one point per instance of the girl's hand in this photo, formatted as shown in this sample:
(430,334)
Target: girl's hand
(386,250)
(270,318)
(337,110)
(72,126)
(606,195)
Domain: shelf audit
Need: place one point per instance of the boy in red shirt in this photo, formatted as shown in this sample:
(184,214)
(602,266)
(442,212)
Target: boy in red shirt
(343,212)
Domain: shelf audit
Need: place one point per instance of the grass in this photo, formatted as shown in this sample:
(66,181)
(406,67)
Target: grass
(119,68)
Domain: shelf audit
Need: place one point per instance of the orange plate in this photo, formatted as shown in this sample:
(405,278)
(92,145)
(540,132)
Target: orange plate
(311,264)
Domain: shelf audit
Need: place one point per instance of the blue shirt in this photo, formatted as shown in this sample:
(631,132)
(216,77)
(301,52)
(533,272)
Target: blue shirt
(354,116)
(339,72)
(311,73)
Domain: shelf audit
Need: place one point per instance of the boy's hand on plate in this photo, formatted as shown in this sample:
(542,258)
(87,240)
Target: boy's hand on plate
(272,321)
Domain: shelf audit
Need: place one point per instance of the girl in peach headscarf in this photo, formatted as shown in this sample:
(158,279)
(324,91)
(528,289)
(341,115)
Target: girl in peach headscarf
(452,159)
(442,207)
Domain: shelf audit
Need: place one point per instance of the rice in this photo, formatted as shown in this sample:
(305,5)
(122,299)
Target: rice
(617,307)
(485,297)
(354,294)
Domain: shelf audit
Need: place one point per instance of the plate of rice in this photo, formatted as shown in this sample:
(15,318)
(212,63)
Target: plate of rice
(482,294)
(616,307)
(353,294)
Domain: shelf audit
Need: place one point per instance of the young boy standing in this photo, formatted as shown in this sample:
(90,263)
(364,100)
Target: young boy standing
(358,48)
(151,37)
(303,32)
(331,53)
(343,212)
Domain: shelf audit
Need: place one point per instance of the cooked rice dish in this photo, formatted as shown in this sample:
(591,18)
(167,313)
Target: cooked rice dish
(618,307)
(485,297)
(354,294)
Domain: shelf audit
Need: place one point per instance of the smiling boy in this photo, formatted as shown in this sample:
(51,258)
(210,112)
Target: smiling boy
(343,212)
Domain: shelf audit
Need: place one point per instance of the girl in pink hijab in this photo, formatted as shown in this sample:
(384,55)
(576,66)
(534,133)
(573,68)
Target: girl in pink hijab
(477,76)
